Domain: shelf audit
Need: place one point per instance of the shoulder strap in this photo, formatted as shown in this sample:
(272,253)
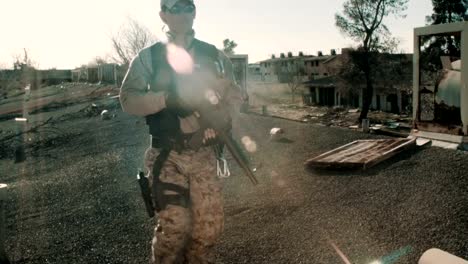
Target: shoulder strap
(157,56)
(205,49)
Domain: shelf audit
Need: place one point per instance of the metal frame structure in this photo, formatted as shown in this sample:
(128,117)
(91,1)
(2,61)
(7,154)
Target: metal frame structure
(462,29)
(3,198)
(243,60)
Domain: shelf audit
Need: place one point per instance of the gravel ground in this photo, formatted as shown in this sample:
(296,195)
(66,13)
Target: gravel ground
(80,203)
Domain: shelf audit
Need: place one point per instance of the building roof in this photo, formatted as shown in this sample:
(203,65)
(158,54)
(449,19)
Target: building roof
(328,81)
(238,56)
(330,59)
(305,57)
(320,58)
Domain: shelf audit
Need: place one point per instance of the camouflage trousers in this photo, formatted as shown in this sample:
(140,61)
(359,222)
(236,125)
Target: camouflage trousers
(187,235)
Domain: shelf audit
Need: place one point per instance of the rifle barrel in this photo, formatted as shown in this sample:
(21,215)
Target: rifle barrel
(230,145)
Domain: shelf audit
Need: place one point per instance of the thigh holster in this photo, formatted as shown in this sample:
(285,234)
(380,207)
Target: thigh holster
(180,196)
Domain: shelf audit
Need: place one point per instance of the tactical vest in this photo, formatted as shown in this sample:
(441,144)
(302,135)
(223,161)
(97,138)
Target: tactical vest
(164,126)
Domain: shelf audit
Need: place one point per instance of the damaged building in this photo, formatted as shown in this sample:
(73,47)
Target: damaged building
(392,85)
(323,84)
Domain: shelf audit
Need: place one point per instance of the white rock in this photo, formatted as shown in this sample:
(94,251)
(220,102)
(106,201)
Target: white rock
(276,133)
(276,130)
(105,115)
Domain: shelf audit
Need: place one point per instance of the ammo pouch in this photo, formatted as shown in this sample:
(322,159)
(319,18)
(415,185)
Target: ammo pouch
(163,124)
(164,128)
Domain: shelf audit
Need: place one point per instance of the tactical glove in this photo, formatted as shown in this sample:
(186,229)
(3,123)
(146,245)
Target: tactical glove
(210,118)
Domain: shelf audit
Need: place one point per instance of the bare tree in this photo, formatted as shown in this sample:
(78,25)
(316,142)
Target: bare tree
(23,61)
(98,61)
(362,20)
(293,73)
(129,40)
(391,72)
(229,46)
(349,77)
(24,70)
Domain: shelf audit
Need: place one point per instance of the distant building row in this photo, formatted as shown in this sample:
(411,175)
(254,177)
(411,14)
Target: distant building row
(322,85)
(105,73)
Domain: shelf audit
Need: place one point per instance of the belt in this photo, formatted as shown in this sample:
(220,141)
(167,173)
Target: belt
(177,144)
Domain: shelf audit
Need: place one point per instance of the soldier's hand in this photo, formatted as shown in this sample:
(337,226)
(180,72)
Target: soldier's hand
(210,135)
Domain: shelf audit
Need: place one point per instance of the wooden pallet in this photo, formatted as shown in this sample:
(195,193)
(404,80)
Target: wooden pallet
(360,154)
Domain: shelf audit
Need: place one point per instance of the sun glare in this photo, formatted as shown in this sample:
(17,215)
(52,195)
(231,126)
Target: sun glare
(179,59)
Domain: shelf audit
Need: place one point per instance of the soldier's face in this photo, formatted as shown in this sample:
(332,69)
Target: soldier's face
(180,17)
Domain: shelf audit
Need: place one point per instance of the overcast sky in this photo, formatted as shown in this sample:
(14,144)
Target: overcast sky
(68,33)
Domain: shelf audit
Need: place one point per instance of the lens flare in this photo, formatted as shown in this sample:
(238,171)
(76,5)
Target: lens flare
(395,256)
(249,144)
(276,179)
(340,253)
(179,59)
(211,96)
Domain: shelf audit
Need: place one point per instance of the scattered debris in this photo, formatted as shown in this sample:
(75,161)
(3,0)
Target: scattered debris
(383,130)
(420,142)
(105,115)
(276,133)
(55,97)
(360,154)
(276,130)
(92,110)
(376,127)
(52,106)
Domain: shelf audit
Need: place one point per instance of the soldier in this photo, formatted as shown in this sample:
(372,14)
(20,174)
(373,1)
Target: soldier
(163,84)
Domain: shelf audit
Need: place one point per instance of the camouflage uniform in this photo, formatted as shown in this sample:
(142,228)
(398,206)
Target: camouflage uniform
(191,232)
(183,234)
